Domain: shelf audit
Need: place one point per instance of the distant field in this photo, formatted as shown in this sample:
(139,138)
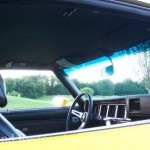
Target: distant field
(25,103)
(42,102)
(51,97)
(57,98)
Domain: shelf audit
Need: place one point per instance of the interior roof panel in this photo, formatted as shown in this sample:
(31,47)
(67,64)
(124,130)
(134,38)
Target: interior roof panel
(34,33)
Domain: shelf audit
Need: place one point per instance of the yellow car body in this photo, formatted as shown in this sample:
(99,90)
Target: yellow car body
(125,137)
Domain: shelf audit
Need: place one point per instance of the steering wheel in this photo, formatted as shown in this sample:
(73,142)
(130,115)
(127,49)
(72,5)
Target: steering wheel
(83,116)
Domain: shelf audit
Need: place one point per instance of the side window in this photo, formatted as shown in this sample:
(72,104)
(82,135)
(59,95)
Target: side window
(33,89)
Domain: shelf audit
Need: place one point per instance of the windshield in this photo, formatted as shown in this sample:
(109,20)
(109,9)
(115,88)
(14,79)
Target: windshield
(131,73)
(145,3)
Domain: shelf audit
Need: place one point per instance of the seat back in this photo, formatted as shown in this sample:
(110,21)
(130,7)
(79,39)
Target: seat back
(3,99)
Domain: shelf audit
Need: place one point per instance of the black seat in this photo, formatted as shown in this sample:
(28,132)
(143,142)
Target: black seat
(7,130)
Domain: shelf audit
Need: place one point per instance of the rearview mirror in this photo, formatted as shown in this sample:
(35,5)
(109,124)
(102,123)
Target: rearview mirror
(107,71)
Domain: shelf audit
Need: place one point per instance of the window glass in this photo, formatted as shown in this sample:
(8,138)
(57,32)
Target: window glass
(34,89)
(128,73)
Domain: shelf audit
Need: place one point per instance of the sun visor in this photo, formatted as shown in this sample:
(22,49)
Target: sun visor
(64,63)
(3,99)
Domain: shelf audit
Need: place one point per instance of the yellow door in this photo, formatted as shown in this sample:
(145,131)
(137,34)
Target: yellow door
(124,138)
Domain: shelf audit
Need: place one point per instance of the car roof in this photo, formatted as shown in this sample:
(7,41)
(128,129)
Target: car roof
(38,34)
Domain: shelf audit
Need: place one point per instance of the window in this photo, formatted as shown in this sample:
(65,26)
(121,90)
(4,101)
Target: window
(131,73)
(34,89)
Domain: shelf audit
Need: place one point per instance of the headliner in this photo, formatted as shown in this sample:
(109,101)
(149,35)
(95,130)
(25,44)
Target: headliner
(46,33)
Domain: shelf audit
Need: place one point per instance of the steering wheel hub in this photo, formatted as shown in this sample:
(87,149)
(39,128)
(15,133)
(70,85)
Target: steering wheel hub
(83,116)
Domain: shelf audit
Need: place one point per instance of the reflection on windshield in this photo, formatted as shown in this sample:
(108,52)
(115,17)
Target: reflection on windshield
(131,73)
(89,71)
(103,60)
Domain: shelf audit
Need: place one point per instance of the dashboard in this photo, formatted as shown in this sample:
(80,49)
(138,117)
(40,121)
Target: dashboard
(121,109)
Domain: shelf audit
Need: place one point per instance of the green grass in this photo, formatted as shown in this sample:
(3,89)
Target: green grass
(46,98)
(42,102)
(50,97)
(101,97)
(26,103)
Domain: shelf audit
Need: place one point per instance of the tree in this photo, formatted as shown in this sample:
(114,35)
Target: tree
(143,68)
(129,87)
(27,88)
(104,87)
(56,87)
(31,87)
(40,88)
(87,89)
(10,85)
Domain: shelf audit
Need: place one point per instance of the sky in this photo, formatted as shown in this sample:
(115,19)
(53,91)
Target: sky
(21,73)
(123,69)
(146,1)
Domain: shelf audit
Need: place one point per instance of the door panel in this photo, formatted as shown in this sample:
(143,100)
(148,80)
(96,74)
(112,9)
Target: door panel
(38,121)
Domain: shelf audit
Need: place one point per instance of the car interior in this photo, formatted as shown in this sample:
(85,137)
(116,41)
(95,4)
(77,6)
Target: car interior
(54,35)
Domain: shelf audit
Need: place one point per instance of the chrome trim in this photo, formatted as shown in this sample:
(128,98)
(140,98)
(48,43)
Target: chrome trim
(107,121)
(125,114)
(98,111)
(116,111)
(107,110)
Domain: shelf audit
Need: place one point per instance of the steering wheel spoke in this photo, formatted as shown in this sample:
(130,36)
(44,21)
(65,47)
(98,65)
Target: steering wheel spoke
(77,113)
(85,115)
(81,126)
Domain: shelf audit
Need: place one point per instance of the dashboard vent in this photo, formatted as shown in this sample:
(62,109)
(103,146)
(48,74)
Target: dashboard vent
(96,111)
(134,105)
(121,111)
(112,111)
(104,110)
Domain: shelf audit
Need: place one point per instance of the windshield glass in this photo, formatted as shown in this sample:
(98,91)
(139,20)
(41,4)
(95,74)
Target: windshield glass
(145,3)
(131,73)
